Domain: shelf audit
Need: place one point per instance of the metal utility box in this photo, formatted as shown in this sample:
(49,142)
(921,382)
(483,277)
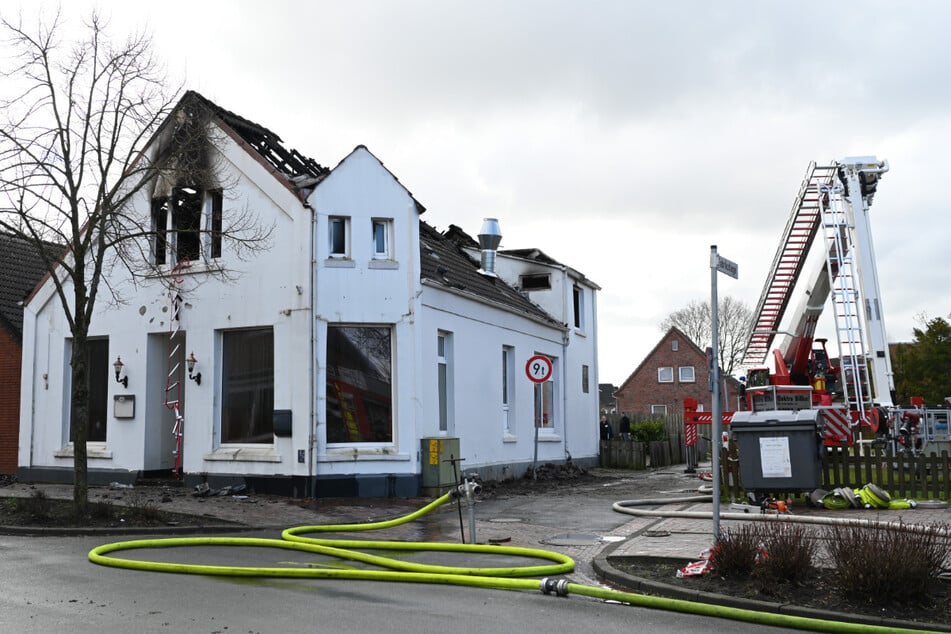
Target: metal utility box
(436,473)
(779,451)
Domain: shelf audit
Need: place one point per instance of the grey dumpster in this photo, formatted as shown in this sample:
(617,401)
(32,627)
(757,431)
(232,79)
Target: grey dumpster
(779,451)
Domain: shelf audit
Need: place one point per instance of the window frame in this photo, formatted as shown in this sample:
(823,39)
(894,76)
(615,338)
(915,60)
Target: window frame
(375,406)
(99,373)
(338,221)
(654,409)
(660,371)
(508,389)
(386,225)
(693,374)
(215,214)
(546,393)
(577,296)
(265,418)
(444,382)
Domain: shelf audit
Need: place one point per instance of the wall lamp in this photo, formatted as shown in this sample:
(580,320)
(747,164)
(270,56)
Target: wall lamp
(190,362)
(118,366)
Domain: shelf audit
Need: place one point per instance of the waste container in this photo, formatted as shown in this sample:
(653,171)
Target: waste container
(779,451)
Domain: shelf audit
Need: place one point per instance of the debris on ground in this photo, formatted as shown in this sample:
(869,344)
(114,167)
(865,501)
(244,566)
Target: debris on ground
(203,490)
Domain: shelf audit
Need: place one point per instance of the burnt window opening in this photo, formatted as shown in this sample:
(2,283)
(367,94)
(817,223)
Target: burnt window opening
(186,222)
(535,282)
(215,196)
(160,236)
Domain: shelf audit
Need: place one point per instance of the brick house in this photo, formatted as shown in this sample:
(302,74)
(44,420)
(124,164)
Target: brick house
(674,370)
(21,269)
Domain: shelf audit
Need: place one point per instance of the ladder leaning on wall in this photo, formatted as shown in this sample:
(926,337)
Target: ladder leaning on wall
(174,372)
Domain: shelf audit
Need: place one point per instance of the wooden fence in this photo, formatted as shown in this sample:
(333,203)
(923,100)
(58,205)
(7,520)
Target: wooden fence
(916,477)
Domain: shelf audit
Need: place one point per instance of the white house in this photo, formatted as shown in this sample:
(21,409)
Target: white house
(331,361)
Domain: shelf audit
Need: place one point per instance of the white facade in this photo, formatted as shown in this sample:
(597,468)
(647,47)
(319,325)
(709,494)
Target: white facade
(339,286)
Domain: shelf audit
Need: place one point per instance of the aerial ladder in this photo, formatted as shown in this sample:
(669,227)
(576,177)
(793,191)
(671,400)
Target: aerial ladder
(831,213)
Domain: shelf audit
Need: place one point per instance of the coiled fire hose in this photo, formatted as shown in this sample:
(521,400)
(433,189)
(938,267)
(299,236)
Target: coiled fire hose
(511,578)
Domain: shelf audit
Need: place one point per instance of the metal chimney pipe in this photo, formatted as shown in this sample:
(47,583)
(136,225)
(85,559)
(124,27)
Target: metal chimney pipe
(489,238)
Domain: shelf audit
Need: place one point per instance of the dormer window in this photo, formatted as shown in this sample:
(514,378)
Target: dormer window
(537,282)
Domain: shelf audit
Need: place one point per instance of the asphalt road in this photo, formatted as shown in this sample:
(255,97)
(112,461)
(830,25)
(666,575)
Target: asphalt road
(49,586)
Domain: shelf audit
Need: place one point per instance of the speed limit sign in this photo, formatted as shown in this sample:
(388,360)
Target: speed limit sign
(538,368)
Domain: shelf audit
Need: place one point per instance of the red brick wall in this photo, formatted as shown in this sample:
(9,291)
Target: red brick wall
(10,354)
(642,389)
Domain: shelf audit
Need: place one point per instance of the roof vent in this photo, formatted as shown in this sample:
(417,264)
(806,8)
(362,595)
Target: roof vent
(489,238)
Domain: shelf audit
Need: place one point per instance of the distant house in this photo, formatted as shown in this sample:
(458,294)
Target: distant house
(674,370)
(606,399)
(21,268)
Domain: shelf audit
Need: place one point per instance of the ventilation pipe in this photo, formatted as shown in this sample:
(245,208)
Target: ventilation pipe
(489,238)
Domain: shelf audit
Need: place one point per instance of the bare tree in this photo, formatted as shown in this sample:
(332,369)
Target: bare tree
(695,321)
(92,128)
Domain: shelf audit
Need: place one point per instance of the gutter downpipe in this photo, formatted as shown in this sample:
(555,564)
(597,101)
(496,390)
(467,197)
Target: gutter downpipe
(564,386)
(312,392)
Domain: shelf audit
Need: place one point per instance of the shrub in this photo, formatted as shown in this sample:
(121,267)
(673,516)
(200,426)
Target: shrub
(38,506)
(648,430)
(144,510)
(101,510)
(790,553)
(734,553)
(888,565)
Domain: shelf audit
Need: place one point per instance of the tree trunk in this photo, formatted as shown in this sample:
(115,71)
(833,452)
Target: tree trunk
(79,423)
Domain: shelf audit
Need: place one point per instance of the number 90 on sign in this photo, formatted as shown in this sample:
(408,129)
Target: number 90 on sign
(538,369)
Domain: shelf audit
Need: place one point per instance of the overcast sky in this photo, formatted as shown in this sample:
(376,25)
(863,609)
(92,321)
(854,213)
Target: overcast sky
(621,138)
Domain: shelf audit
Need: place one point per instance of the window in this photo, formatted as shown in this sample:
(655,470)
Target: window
(659,409)
(687,374)
(339,238)
(214,202)
(539,282)
(665,375)
(584,379)
(159,230)
(444,378)
(508,386)
(177,224)
(98,372)
(247,386)
(578,300)
(359,384)
(674,345)
(545,402)
(381,239)
(186,222)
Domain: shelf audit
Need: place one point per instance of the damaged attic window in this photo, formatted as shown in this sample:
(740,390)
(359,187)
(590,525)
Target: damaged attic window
(540,282)
(159,228)
(186,222)
(214,202)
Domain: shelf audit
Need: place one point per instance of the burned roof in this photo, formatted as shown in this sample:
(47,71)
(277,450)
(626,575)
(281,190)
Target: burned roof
(21,269)
(289,162)
(443,262)
(532,254)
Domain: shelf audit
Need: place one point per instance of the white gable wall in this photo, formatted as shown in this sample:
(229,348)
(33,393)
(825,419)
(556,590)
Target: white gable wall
(270,289)
(359,290)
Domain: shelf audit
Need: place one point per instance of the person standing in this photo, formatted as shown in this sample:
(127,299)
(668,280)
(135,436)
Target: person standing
(606,432)
(624,430)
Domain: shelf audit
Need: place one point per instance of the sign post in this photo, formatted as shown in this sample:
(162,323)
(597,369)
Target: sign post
(538,369)
(722,265)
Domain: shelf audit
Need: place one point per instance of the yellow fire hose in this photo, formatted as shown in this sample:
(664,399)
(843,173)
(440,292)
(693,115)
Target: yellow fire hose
(401,571)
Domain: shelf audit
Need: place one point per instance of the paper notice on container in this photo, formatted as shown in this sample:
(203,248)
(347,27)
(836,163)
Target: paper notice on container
(774,457)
